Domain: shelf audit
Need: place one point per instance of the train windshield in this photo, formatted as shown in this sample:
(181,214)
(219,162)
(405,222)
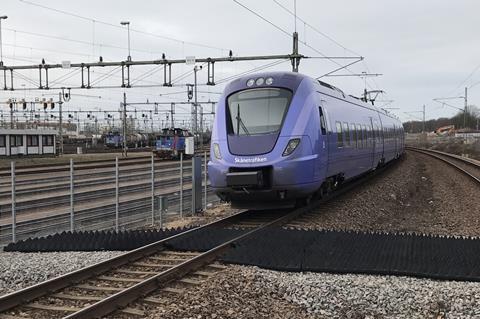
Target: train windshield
(257,111)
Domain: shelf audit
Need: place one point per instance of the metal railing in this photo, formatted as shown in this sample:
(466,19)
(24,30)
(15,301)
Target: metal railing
(97,204)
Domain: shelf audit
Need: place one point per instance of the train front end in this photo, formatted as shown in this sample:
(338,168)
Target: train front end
(261,149)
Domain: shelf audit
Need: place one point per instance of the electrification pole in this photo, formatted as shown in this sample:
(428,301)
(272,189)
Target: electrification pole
(423,128)
(127,23)
(124,117)
(60,129)
(1,45)
(11,115)
(295,60)
(194,111)
(465,111)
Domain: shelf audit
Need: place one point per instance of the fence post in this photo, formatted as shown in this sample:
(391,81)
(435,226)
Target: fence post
(116,194)
(72,211)
(181,185)
(205,181)
(14,216)
(153,190)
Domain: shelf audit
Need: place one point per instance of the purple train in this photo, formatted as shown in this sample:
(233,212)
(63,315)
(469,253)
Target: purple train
(280,138)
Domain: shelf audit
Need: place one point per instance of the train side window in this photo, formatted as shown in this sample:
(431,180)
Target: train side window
(323,123)
(354,133)
(369,136)
(2,140)
(360,136)
(347,133)
(339,134)
(365,140)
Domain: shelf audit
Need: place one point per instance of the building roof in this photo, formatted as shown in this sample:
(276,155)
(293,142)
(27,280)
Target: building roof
(42,131)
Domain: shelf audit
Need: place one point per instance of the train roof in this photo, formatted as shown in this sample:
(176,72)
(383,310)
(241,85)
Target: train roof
(293,79)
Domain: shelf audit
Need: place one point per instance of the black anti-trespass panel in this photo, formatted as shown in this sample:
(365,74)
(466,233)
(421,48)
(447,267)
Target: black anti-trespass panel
(93,240)
(366,253)
(298,250)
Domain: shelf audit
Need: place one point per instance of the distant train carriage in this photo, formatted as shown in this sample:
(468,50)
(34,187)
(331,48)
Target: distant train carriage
(113,140)
(171,143)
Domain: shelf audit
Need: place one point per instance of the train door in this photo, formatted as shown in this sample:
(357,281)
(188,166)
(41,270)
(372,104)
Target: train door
(395,139)
(381,131)
(374,143)
(322,164)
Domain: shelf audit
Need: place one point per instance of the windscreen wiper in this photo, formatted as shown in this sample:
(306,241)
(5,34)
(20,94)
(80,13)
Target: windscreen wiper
(240,122)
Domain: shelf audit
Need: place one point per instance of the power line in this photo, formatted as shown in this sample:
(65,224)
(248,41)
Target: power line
(120,27)
(325,36)
(256,69)
(77,41)
(289,35)
(263,18)
(314,28)
(46,50)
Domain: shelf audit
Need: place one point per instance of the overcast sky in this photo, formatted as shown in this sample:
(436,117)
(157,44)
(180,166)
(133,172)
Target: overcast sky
(424,49)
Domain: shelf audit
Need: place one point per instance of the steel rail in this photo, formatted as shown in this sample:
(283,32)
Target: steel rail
(123,298)
(441,156)
(28,294)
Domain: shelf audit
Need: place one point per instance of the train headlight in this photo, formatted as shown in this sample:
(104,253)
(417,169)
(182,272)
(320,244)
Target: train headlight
(269,81)
(260,81)
(250,82)
(291,146)
(216,151)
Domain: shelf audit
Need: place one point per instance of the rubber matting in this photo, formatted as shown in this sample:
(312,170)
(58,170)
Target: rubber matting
(299,250)
(93,240)
(363,253)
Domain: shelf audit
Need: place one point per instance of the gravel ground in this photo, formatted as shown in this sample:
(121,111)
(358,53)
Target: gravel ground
(361,296)
(237,292)
(251,292)
(20,270)
(418,195)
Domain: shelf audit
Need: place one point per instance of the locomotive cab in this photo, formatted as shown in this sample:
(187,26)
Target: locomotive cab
(260,157)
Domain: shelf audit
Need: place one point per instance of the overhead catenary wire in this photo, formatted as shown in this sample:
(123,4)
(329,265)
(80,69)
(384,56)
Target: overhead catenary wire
(120,27)
(256,69)
(323,34)
(77,41)
(289,35)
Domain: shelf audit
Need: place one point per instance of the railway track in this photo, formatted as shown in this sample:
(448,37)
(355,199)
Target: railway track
(112,285)
(468,167)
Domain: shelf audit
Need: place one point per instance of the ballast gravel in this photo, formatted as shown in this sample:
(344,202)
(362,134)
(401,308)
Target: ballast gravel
(364,296)
(20,270)
(251,292)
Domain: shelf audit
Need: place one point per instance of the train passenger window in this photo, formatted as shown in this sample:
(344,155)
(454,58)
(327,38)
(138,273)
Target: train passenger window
(369,134)
(12,141)
(339,134)
(323,125)
(354,132)
(347,133)
(360,136)
(2,140)
(365,141)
